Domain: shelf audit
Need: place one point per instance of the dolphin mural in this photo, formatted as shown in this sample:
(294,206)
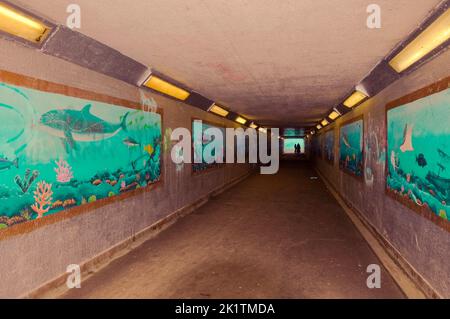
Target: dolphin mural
(6,164)
(80,126)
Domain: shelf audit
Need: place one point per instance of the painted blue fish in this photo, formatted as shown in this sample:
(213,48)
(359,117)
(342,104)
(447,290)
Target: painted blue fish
(445,157)
(421,160)
(80,126)
(6,164)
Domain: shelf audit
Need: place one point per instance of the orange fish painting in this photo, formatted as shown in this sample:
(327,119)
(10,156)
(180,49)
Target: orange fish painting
(149,149)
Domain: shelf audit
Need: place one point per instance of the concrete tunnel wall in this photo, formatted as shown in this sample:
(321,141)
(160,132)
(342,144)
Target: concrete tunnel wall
(30,260)
(423,244)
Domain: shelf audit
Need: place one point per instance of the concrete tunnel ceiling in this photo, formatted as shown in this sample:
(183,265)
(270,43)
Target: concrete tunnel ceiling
(280,63)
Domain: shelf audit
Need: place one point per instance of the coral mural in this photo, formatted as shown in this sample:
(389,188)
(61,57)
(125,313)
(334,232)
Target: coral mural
(63,171)
(418,151)
(328,146)
(351,148)
(201,139)
(43,199)
(58,152)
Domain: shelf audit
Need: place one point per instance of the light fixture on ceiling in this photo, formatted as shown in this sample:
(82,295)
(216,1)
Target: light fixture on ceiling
(319,126)
(324,123)
(354,99)
(334,115)
(216,109)
(22,25)
(429,39)
(240,120)
(253,126)
(162,86)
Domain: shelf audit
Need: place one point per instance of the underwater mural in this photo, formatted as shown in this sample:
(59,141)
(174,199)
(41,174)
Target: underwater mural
(328,146)
(59,152)
(200,140)
(351,147)
(418,154)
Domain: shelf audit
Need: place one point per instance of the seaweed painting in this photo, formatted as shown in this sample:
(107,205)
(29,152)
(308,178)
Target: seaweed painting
(351,148)
(58,152)
(418,149)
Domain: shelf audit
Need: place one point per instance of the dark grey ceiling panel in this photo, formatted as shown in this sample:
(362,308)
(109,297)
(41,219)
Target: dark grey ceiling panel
(379,78)
(82,50)
(198,100)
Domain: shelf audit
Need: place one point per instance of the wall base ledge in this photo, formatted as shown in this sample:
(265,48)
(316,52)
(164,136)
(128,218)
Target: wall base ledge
(409,280)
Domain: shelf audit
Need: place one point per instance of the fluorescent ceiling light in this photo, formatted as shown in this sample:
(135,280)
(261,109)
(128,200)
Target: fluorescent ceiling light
(218,110)
(324,122)
(22,25)
(354,99)
(319,126)
(254,126)
(167,88)
(433,36)
(241,120)
(334,115)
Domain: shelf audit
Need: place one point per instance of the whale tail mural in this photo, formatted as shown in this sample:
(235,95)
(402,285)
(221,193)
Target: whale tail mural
(407,145)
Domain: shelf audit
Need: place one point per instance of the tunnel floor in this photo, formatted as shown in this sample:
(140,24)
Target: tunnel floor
(271,236)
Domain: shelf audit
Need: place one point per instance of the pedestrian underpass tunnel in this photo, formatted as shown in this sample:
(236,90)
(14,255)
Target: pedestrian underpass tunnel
(224,149)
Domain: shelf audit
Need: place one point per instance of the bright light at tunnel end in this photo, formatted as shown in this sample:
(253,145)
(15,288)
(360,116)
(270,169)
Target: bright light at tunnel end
(227,146)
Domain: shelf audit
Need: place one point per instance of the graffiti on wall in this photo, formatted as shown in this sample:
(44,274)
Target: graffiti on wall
(375,151)
(201,138)
(328,146)
(418,150)
(58,152)
(351,147)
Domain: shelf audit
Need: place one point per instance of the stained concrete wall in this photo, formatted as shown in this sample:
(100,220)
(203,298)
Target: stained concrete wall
(27,261)
(424,245)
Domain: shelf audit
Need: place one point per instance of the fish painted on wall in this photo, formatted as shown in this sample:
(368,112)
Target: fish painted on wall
(79,126)
(351,148)
(421,160)
(107,150)
(131,142)
(6,164)
(417,172)
(444,156)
